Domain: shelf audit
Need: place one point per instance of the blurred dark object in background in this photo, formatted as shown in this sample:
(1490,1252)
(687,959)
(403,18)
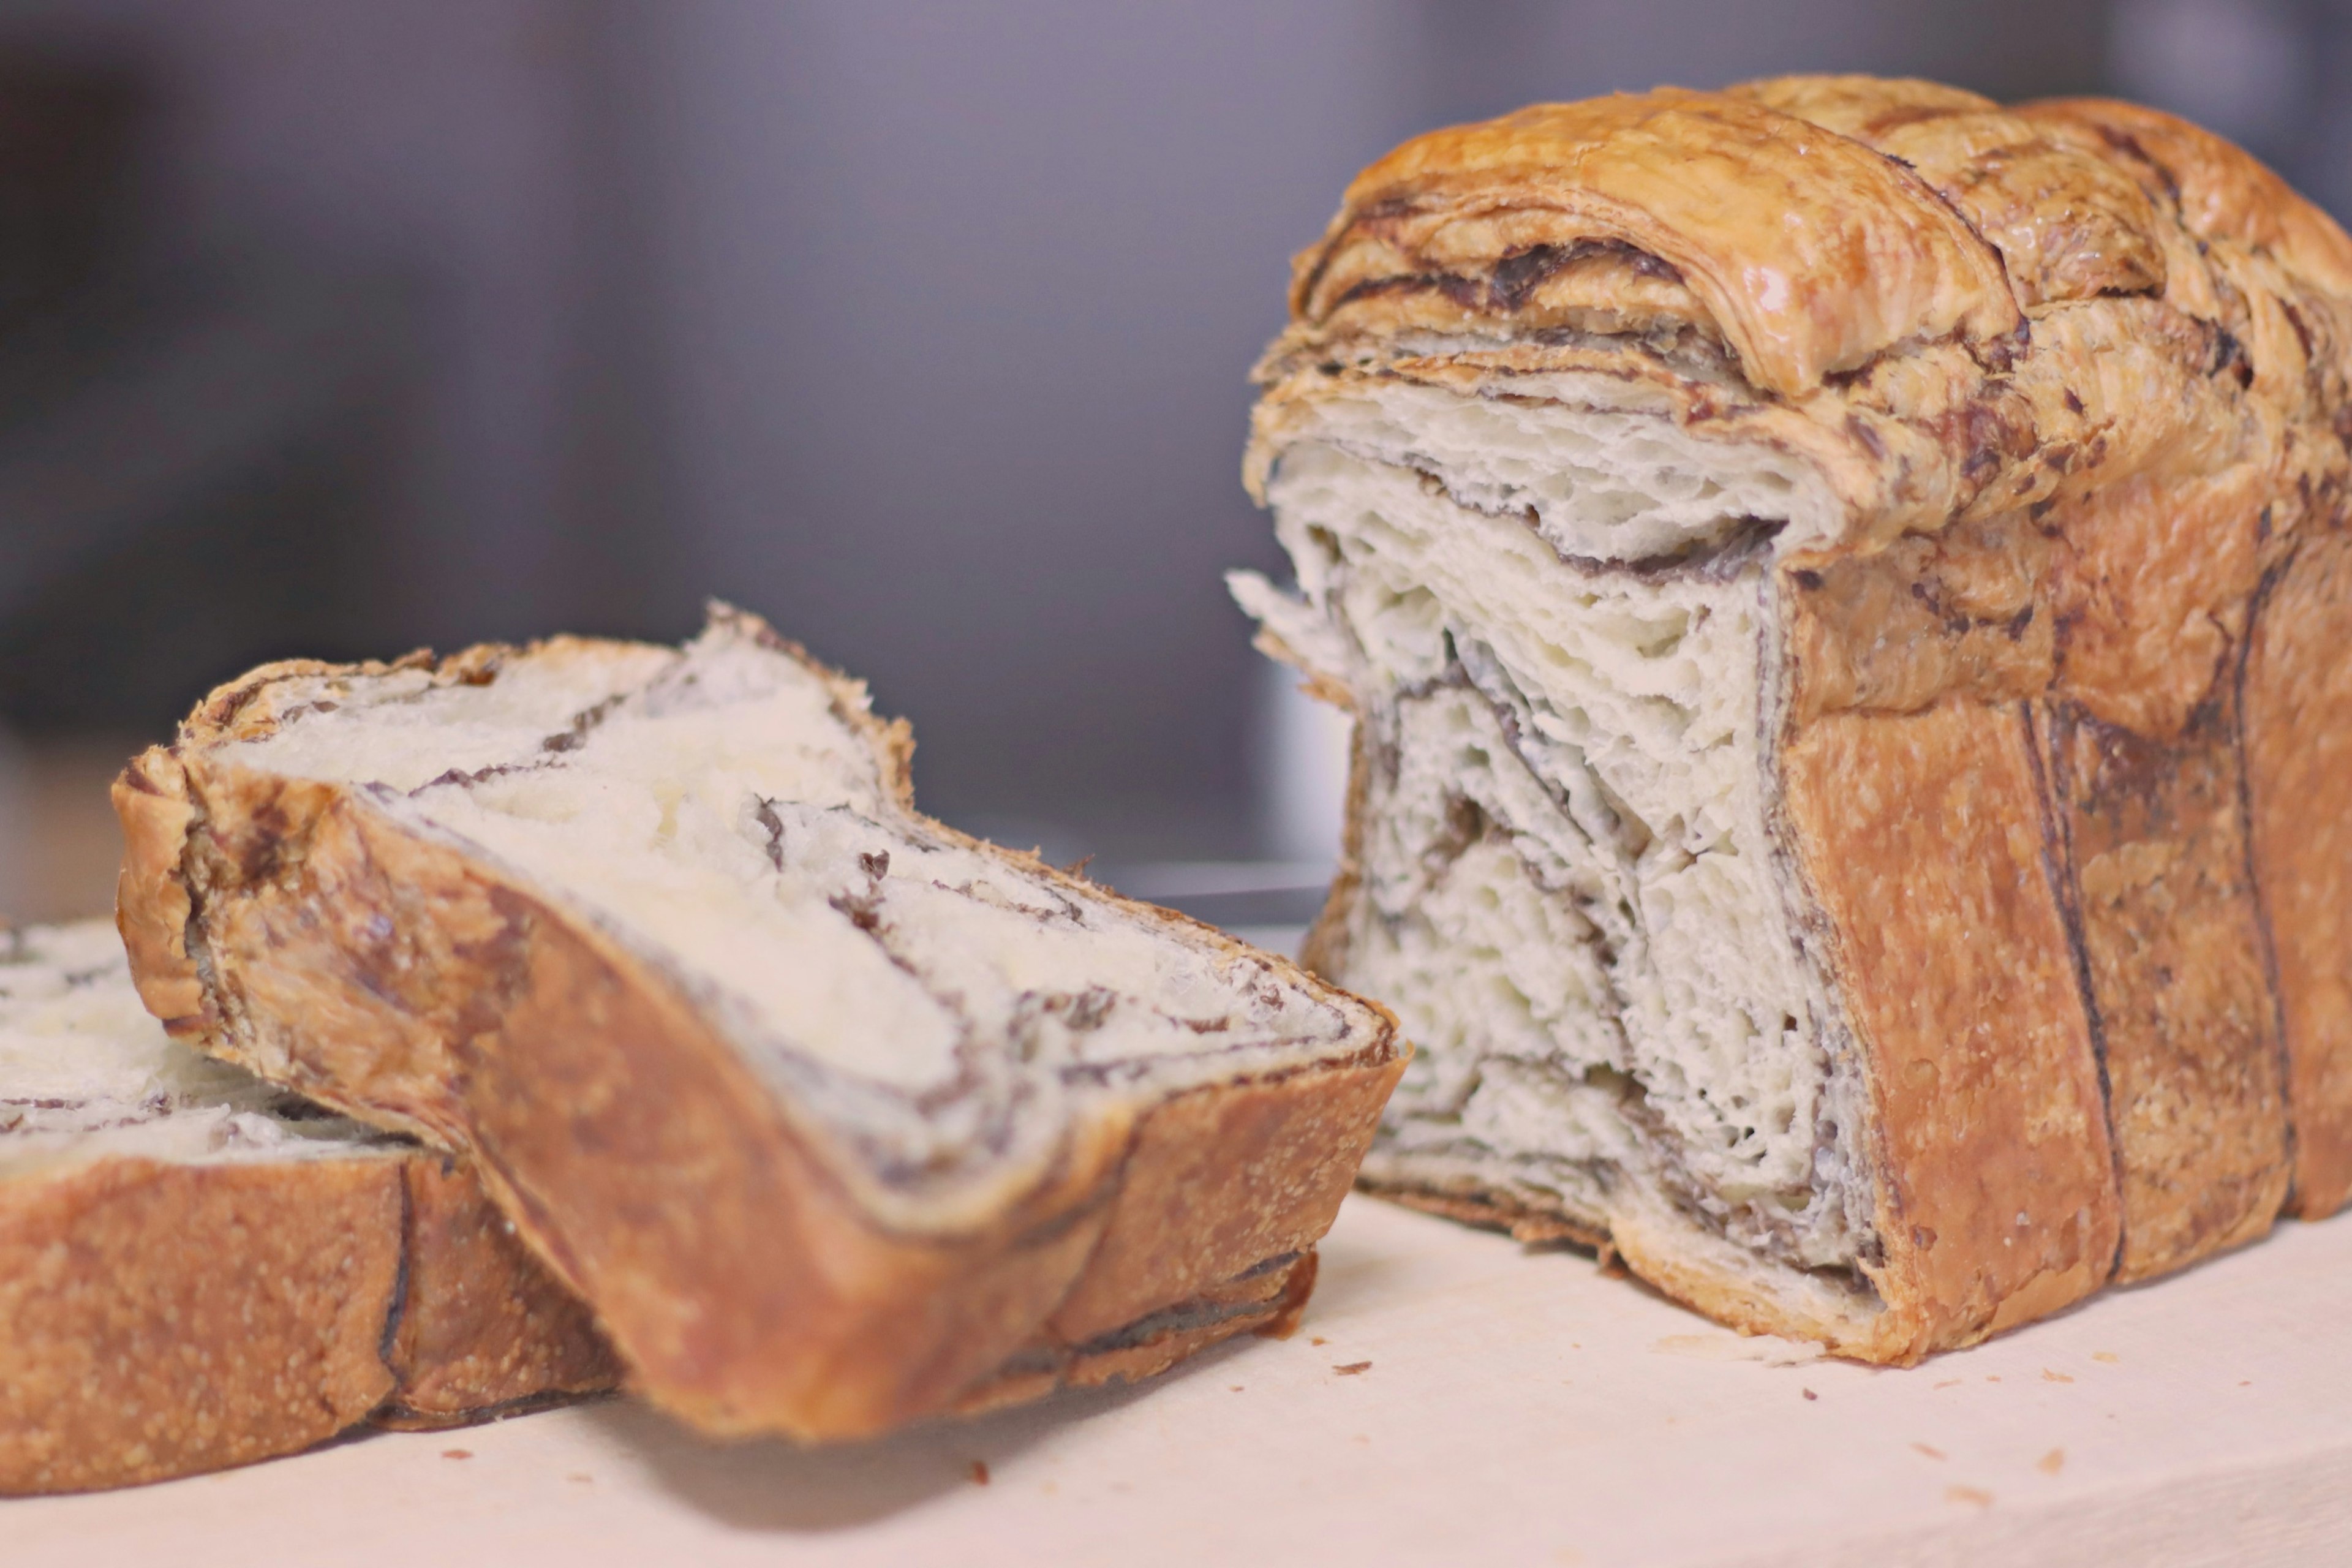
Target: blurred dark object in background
(66,131)
(189,482)
(918,326)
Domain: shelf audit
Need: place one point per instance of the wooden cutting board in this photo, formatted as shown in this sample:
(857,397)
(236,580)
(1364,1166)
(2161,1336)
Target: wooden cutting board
(1451,1398)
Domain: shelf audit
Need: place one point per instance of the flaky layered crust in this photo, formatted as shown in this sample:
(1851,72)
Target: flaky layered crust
(2063,760)
(166,1320)
(293,928)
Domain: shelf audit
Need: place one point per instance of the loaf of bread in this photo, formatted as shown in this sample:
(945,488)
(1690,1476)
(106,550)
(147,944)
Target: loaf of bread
(1844,591)
(837,1118)
(198,1269)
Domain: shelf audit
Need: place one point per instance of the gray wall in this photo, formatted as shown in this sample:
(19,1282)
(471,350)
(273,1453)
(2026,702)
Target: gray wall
(954,305)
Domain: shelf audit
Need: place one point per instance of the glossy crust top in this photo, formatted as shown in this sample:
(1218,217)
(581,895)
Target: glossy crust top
(1808,253)
(1951,308)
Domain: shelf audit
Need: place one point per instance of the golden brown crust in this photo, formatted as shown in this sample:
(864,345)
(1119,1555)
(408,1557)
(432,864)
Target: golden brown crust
(2151,586)
(747,1282)
(2103,516)
(151,906)
(1808,254)
(1931,615)
(162,1319)
(2098,612)
(1247,1172)
(480,1328)
(1267,1300)
(2067,227)
(2220,191)
(2155,301)
(2173,955)
(2298,727)
(159,1321)
(1922,837)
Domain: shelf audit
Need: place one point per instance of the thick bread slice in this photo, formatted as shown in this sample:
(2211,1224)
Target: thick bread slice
(198,1270)
(838,1118)
(1843,590)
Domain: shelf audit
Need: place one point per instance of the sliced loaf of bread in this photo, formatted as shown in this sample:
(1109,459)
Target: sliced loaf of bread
(837,1117)
(199,1269)
(1843,590)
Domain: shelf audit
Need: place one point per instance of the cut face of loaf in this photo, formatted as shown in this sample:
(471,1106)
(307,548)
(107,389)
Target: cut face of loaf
(1832,579)
(838,1118)
(198,1269)
(1564,878)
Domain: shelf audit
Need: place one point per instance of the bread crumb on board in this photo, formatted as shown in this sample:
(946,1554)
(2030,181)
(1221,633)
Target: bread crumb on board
(1975,1495)
(1931,1453)
(1350,1368)
(457,1453)
(2051,1463)
(2050,1376)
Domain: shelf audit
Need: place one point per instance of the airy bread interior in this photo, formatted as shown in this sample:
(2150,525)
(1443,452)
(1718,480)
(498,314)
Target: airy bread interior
(85,1074)
(1556,618)
(935,1007)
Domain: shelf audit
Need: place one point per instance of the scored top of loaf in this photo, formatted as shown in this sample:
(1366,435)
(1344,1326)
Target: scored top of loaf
(1949,308)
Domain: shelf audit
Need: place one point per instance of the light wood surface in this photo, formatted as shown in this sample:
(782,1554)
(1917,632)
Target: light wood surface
(1517,1408)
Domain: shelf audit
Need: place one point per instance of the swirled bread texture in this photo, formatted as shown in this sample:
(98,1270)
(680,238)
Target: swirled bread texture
(837,1118)
(1842,587)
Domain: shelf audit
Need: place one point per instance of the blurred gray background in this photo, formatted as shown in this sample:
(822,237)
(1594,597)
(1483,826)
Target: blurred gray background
(919,326)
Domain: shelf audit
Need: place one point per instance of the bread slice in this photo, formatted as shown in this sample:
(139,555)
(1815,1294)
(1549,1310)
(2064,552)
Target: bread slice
(1842,588)
(198,1269)
(838,1118)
